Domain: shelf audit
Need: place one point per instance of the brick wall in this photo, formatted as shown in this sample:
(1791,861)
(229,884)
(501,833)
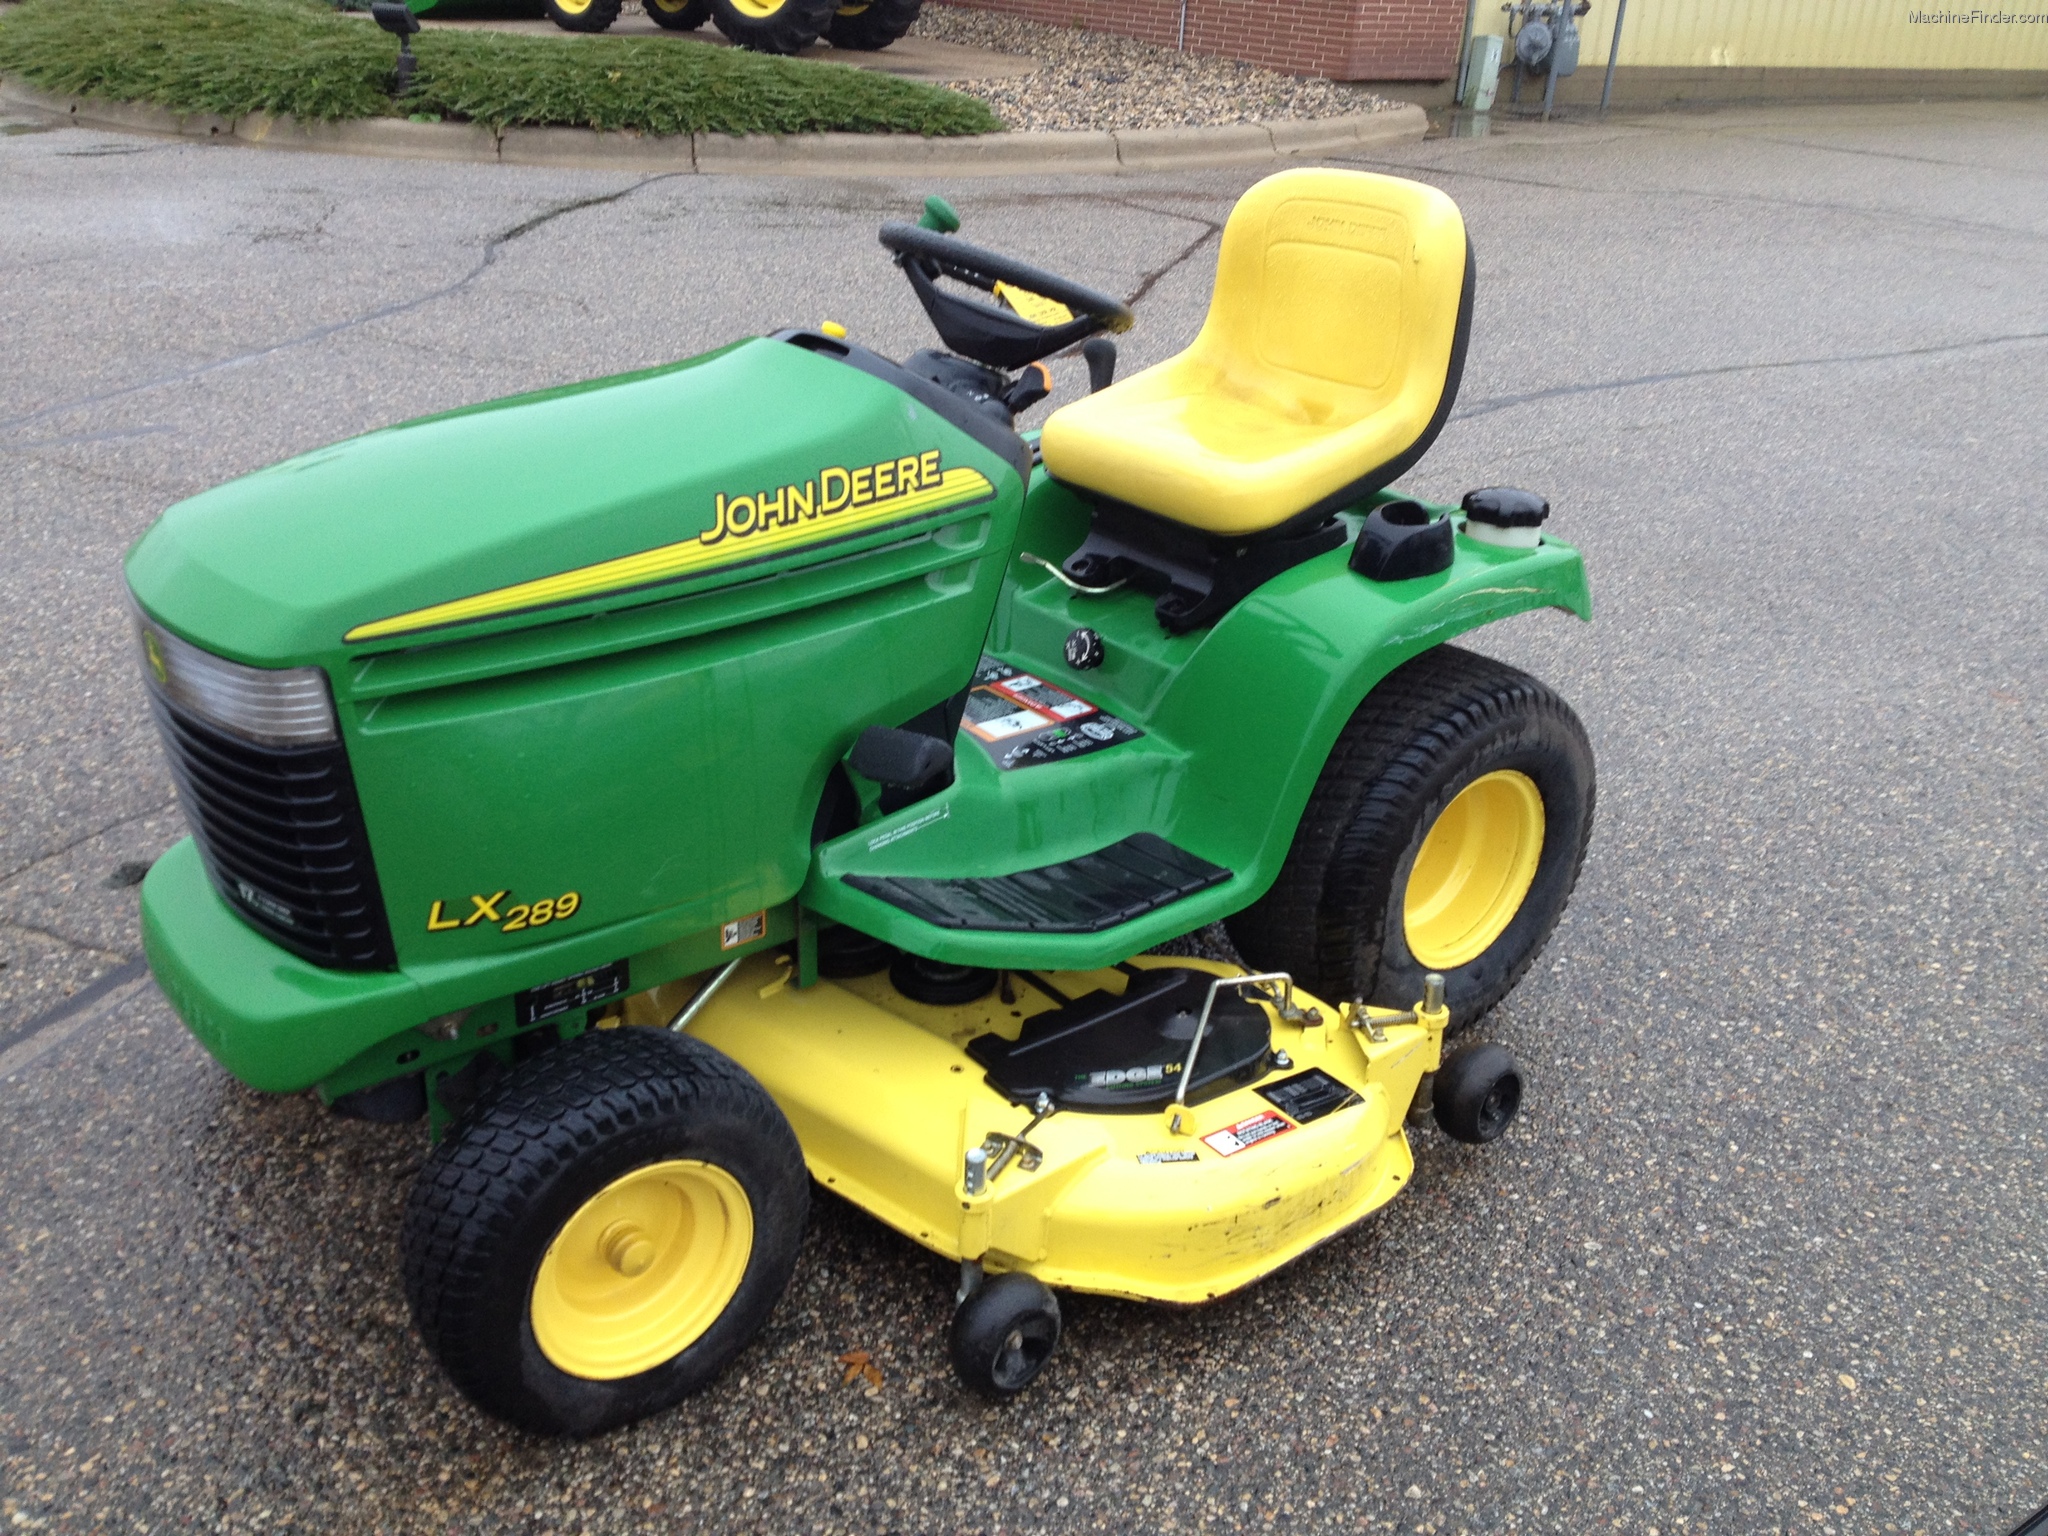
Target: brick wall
(1343,39)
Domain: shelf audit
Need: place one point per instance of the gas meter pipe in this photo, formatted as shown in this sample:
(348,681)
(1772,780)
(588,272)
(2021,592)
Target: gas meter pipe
(1613,49)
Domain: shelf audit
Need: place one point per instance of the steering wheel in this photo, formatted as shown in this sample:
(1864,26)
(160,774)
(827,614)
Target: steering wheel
(1000,338)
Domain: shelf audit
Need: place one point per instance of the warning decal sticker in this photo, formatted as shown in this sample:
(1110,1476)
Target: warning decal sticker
(1021,719)
(742,930)
(1263,1126)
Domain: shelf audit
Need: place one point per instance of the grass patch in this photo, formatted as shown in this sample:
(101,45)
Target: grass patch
(237,56)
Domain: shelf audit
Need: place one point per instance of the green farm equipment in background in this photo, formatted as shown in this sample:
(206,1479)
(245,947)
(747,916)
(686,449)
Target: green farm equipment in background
(766,26)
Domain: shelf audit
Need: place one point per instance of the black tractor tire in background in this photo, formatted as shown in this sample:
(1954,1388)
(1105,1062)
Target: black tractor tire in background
(677,15)
(538,1150)
(865,25)
(773,26)
(594,15)
(1335,916)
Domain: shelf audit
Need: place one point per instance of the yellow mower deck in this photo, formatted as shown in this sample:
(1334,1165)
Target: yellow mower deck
(887,1105)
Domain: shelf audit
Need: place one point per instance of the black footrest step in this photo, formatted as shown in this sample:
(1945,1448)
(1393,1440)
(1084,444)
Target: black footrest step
(1086,895)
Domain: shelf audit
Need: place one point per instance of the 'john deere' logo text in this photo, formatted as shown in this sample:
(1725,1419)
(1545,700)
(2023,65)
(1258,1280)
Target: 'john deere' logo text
(836,489)
(836,503)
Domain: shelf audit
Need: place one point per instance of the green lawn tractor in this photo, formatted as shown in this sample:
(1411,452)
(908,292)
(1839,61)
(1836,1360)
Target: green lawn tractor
(772,768)
(766,26)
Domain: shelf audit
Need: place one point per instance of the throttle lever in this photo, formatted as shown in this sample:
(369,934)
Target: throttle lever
(1028,388)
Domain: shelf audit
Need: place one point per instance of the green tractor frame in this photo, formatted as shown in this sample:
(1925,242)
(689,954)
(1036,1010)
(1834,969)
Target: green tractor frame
(773,770)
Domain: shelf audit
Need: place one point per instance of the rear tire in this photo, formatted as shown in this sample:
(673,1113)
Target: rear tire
(677,15)
(581,15)
(772,26)
(870,24)
(1349,912)
(604,1231)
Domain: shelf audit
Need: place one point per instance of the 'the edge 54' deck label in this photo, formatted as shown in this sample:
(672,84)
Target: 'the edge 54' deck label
(511,919)
(836,502)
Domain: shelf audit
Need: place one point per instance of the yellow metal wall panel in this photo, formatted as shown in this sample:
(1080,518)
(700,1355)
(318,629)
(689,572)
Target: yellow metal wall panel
(1814,34)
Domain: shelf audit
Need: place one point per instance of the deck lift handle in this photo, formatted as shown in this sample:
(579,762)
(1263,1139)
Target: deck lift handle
(1233,983)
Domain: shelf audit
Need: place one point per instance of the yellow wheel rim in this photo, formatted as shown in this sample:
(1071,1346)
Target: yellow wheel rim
(642,1270)
(855,10)
(572,7)
(1474,869)
(757,7)
(667,7)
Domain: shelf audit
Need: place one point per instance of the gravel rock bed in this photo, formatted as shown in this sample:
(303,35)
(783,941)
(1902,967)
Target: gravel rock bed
(1098,80)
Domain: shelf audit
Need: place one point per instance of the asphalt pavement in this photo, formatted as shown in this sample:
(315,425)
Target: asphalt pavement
(1766,1251)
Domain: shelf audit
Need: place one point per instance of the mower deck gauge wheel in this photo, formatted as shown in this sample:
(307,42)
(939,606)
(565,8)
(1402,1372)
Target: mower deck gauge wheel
(1476,1094)
(1004,1333)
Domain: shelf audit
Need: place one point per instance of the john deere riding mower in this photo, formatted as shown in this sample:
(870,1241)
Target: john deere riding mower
(772,768)
(766,26)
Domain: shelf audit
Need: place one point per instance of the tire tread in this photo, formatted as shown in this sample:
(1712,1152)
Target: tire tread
(498,1158)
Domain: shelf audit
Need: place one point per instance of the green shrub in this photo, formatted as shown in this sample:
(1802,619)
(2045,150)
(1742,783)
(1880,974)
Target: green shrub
(288,56)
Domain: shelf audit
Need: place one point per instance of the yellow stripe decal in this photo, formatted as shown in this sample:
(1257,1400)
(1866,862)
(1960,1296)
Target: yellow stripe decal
(725,543)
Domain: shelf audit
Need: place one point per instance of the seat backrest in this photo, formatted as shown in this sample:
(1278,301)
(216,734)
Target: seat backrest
(1342,295)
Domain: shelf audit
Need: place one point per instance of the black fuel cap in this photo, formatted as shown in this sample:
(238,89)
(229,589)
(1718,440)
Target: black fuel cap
(1084,650)
(1505,507)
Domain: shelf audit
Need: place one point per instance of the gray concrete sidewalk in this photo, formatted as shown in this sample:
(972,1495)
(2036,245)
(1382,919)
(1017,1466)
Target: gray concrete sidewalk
(1765,1253)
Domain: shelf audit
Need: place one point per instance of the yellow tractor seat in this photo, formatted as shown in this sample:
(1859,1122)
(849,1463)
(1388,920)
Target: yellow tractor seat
(1327,364)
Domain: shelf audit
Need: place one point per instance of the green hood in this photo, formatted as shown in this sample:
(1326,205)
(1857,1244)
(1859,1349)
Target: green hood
(584,497)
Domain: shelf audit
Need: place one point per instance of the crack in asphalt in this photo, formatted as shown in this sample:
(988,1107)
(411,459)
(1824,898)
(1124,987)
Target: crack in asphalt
(75,945)
(111,435)
(1886,154)
(83,998)
(1487,407)
(8,877)
(1212,229)
(491,252)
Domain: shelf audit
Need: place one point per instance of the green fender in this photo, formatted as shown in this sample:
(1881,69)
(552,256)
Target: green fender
(1239,720)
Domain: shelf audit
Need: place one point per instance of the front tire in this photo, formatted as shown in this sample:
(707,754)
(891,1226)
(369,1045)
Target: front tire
(865,25)
(1445,834)
(772,26)
(599,1237)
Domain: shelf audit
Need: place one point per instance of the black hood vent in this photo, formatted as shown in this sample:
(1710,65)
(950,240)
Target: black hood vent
(282,836)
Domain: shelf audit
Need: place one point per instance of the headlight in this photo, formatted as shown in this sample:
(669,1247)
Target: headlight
(281,706)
